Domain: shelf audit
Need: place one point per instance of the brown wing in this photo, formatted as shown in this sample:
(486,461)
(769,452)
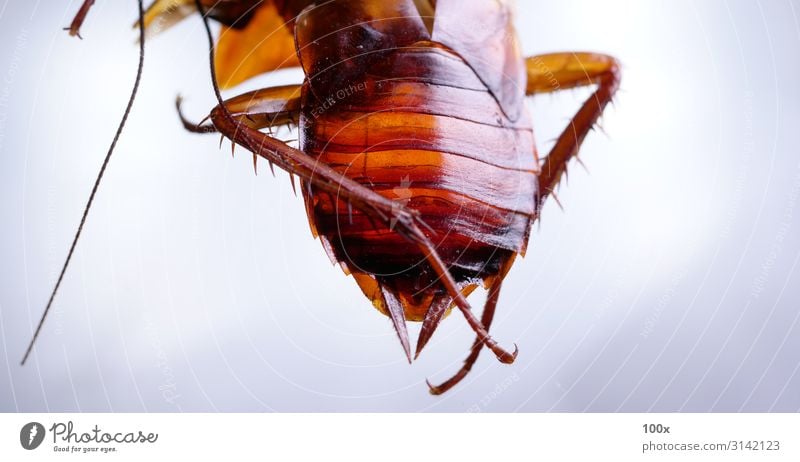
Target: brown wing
(482,33)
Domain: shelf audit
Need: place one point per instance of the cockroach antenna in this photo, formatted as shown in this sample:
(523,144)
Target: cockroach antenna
(76,23)
(214,83)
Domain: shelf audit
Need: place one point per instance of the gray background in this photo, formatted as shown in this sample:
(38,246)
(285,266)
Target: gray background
(668,283)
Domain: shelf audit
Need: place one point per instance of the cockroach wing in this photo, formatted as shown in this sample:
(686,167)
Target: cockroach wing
(337,41)
(254,38)
(482,33)
(163,14)
(262,44)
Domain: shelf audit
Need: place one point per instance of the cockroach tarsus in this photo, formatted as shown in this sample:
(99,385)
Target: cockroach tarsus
(75,27)
(416,156)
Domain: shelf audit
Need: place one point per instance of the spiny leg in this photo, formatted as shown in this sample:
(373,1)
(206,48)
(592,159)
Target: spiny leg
(561,71)
(477,346)
(405,221)
(384,210)
(265,108)
(549,73)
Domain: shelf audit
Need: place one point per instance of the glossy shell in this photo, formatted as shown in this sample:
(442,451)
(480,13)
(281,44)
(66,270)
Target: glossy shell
(391,107)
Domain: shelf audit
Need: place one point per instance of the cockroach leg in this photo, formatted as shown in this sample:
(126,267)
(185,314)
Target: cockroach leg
(199,127)
(545,74)
(75,27)
(477,346)
(553,72)
(266,108)
(406,221)
(260,109)
(461,302)
(561,71)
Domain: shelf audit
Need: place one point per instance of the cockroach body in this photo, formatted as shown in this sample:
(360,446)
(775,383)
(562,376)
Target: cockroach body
(416,125)
(416,153)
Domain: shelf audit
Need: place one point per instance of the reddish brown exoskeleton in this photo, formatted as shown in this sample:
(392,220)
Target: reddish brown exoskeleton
(416,152)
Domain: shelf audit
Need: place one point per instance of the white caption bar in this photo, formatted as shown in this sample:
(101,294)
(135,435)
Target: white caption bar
(401,437)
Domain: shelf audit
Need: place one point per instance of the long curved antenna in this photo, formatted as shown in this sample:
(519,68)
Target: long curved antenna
(210,37)
(96,181)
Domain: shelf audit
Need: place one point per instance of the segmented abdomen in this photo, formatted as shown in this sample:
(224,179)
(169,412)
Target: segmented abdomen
(422,130)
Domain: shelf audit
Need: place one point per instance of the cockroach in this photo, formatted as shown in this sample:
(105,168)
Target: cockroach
(416,154)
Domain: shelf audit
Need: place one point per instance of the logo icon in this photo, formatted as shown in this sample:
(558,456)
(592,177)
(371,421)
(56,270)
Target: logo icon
(31,435)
